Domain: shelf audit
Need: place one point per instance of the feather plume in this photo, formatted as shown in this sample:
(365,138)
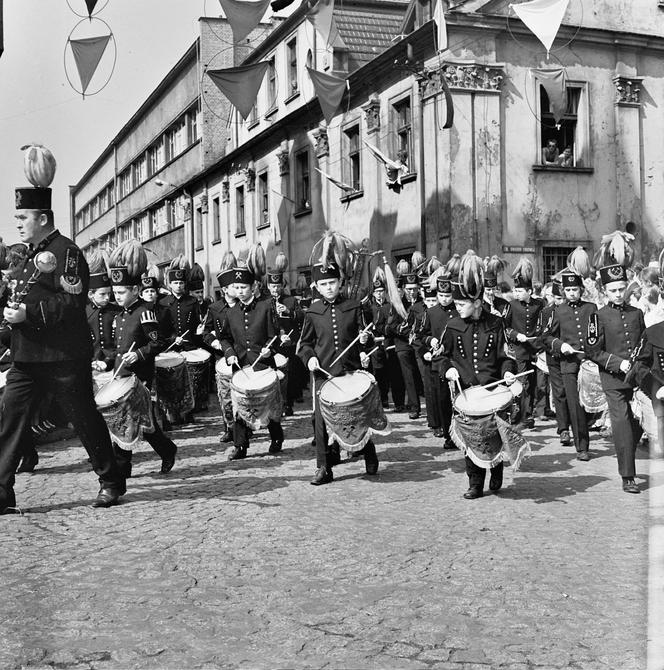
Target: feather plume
(453,266)
(197,273)
(403,267)
(433,265)
(339,249)
(242,257)
(97,262)
(3,255)
(524,270)
(256,260)
(180,262)
(615,248)
(301,284)
(281,262)
(393,292)
(496,265)
(379,275)
(579,262)
(661,264)
(130,254)
(437,274)
(228,261)
(471,275)
(154,272)
(417,260)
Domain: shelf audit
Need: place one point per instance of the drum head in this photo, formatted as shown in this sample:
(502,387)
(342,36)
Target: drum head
(254,380)
(169,359)
(115,391)
(347,388)
(223,368)
(477,401)
(196,355)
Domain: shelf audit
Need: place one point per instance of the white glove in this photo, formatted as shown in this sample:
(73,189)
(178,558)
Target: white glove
(566,348)
(285,339)
(434,343)
(521,338)
(17,315)
(200,329)
(216,344)
(313,364)
(427,356)
(452,375)
(232,360)
(625,366)
(364,338)
(364,359)
(660,393)
(509,378)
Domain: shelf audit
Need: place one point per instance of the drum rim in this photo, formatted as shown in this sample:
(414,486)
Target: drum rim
(117,400)
(245,390)
(205,359)
(169,355)
(352,401)
(472,412)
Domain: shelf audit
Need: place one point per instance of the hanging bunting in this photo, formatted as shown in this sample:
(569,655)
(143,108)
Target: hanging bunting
(553,81)
(243,15)
(394,169)
(240,84)
(339,184)
(543,18)
(329,91)
(441,25)
(87,54)
(90,4)
(321,14)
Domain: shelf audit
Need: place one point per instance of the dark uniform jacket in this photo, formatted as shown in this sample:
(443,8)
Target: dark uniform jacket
(371,315)
(246,329)
(215,321)
(522,317)
(648,358)
(569,323)
(551,357)
(402,332)
(613,334)
(100,320)
(437,319)
(137,324)
(476,349)
(56,328)
(184,316)
(328,329)
(499,307)
(293,320)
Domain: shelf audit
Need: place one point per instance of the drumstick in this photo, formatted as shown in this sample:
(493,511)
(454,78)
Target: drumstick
(500,381)
(330,378)
(268,345)
(6,352)
(351,345)
(173,344)
(115,374)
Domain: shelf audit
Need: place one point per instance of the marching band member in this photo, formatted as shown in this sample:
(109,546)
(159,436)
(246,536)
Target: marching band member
(565,335)
(613,333)
(137,340)
(472,352)
(150,296)
(330,325)
(521,322)
(378,359)
(101,313)
(495,266)
(247,330)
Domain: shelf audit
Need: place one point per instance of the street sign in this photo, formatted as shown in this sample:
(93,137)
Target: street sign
(518,250)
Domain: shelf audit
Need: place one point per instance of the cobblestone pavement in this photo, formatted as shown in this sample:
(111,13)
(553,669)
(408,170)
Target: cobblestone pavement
(245,565)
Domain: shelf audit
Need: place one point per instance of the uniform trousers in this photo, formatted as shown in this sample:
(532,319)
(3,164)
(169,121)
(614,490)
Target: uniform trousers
(379,371)
(395,379)
(577,414)
(658,410)
(558,393)
(71,382)
(241,432)
(625,429)
(476,474)
(442,398)
(527,397)
(409,372)
(425,375)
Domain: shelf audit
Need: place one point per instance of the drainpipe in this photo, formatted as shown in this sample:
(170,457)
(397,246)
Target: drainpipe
(420,176)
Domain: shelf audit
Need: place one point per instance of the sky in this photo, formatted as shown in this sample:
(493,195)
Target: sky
(38,105)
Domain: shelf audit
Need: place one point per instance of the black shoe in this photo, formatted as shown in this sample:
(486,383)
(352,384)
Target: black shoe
(188,418)
(565,439)
(528,424)
(583,456)
(9,506)
(107,497)
(238,453)
(29,462)
(385,404)
(167,464)
(438,432)
(275,447)
(449,444)
(629,485)
(226,436)
(371,463)
(288,411)
(166,425)
(313,442)
(473,493)
(323,476)
(413,415)
(400,409)
(496,481)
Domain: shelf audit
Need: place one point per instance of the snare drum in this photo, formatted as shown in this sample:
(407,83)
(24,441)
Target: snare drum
(591,394)
(478,401)
(256,396)
(541,363)
(100,379)
(198,364)
(223,375)
(352,409)
(125,405)
(172,383)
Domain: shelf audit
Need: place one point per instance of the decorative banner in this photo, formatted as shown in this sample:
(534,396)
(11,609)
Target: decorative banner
(243,15)
(543,17)
(553,80)
(336,182)
(240,84)
(87,54)
(441,34)
(394,169)
(329,90)
(321,15)
(90,4)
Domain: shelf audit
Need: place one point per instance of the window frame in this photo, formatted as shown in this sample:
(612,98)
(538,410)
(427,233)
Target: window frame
(216,219)
(240,211)
(292,72)
(397,129)
(302,204)
(351,157)
(272,102)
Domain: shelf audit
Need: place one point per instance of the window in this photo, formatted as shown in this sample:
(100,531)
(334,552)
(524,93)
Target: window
(199,228)
(291,50)
(565,144)
(403,131)
(351,165)
(263,201)
(302,183)
(271,85)
(95,209)
(109,190)
(239,211)
(142,231)
(79,222)
(170,144)
(139,171)
(253,116)
(125,182)
(153,158)
(159,216)
(216,220)
(171,214)
(554,259)
(192,126)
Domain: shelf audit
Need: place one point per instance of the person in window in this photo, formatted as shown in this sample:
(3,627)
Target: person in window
(566,159)
(550,153)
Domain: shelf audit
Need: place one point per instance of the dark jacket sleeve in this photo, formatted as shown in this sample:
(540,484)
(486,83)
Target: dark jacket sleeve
(307,340)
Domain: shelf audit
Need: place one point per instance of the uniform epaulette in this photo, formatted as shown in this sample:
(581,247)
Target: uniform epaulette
(148,316)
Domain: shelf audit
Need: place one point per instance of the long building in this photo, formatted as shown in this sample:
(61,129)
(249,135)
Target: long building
(186,173)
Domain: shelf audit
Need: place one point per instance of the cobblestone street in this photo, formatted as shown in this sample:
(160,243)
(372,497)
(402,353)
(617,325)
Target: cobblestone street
(245,565)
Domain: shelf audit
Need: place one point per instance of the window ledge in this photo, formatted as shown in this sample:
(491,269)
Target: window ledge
(352,196)
(217,241)
(252,124)
(200,248)
(407,178)
(263,226)
(292,96)
(242,234)
(302,212)
(558,168)
(270,112)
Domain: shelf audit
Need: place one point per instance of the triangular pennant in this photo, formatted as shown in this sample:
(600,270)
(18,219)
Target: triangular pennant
(240,84)
(343,186)
(441,32)
(320,16)
(244,15)
(543,17)
(329,90)
(90,4)
(87,54)
(553,80)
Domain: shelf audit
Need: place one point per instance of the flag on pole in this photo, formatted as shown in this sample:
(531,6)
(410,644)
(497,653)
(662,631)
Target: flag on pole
(329,91)
(543,18)
(441,32)
(87,54)
(553,81)
(240,84)
(339,184)
(243,15)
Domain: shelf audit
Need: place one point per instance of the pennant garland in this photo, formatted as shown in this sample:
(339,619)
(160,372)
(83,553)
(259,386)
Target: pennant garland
(321,15)
(87,54)
(543,18)
(344,187)
(91,4)
(240,84)
(243,15)
(553,81)
(329,91)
